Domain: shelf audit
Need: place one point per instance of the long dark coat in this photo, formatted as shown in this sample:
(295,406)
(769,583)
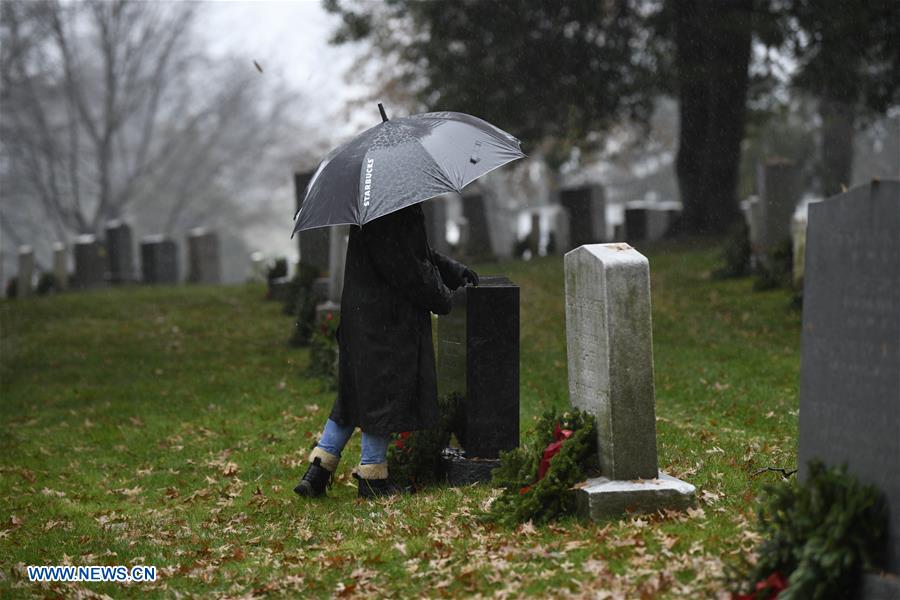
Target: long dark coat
(393,280)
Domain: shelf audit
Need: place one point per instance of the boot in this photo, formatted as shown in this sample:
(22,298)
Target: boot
(372,481)
(318,474)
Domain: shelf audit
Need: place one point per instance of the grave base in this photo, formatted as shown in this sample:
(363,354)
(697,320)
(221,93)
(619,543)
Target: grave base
(602,498)
(885,586)
(466,471)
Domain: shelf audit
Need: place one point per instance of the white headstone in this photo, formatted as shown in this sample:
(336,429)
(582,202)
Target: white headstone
(610,360)
(337,257)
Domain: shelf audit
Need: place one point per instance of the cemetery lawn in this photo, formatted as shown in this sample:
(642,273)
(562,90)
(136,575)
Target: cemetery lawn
(168,426)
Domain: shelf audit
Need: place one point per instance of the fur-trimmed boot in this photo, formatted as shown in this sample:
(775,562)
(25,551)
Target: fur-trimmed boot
(319,473)
(372,481)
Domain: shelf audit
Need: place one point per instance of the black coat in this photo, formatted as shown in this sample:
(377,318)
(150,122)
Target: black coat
(392,282)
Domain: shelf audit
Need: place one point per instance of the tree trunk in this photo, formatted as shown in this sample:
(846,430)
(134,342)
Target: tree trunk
(837,145)
(713,56)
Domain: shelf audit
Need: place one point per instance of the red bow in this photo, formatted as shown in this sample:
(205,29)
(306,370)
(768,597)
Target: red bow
(552,449)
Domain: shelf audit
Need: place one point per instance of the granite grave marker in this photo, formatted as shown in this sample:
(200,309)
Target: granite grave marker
(159,260)
(119,252)
(90,261)
(203,256)
(850,357)
(26,271)
(586,206)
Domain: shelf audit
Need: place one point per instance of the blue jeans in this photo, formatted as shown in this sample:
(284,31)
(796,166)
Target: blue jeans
(335,437)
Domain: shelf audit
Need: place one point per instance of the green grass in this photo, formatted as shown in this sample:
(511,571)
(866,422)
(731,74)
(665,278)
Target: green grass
(167,426)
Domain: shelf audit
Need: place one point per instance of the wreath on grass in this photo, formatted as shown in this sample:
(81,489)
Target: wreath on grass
(538,477)
(818,537)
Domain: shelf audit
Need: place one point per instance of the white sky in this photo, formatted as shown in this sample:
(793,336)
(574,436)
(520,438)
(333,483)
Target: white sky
(289,39)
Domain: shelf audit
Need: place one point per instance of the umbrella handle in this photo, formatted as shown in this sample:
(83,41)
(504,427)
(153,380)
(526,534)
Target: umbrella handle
(383,114)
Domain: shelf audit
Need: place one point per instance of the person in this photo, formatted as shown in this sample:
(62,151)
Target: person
(387,384)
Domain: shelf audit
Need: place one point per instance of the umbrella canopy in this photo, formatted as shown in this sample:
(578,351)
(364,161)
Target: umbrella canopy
(400,162)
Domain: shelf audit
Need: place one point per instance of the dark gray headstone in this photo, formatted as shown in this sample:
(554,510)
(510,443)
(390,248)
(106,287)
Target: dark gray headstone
(313,244)
(119,252)
(850,376)
(159,260)
(587,214)
(26,271)
(648,222)
(436,223)
(478,246)
(203,257)
(779,191)
(90,262)
(478,355)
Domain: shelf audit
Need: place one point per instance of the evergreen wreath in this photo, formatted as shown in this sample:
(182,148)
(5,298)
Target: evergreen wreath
(538,477)
(818,536)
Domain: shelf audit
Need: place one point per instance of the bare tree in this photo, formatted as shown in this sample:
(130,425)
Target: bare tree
(111,109)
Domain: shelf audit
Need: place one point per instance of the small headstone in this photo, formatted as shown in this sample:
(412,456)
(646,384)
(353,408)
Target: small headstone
(779,191)
(312,243)
(478,246)
(26,271)
(587,214)
(436,223)
(60,266)
(610,359)
(203,257)
(850,356)
(649,222)
(90,261)
(534,236)
(257,266)
(562,230)
(119,252)
(159,260)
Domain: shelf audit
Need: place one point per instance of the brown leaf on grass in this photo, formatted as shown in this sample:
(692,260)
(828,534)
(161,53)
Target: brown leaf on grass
(230,469)
(136,421)
(49,492)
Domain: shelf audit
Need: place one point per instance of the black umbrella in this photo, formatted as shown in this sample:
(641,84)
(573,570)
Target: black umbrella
(400,162)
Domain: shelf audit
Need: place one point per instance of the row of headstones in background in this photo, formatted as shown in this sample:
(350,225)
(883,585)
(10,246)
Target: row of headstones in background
(97,264)
(850,356)
(478,358)
(610,364)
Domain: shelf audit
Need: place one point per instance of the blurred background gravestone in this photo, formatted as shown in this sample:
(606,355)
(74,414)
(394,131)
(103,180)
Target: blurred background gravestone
(850,356)
(436,223)
(610,362)
(90,262)
(203,256)
(60,266)
(646,221)
(586,206)
(159,260)
(779,192)
(119,252)
(313,244)
(478,245)
(26,271)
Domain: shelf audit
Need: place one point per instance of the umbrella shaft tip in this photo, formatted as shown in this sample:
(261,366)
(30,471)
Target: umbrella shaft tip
(384,117)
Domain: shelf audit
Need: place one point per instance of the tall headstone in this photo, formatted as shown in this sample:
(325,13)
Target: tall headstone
(850,356)
(587,214)
(779,192)
(474,209)
(610,360)
(26,271)
(60,266)
(90,261)
(119,252)
(313,244)
(436,223)
(337,259)
(798,245)
(478,357)
(159,260)
(203,257)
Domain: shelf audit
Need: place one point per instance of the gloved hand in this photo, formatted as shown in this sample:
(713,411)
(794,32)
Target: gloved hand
(470,277)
